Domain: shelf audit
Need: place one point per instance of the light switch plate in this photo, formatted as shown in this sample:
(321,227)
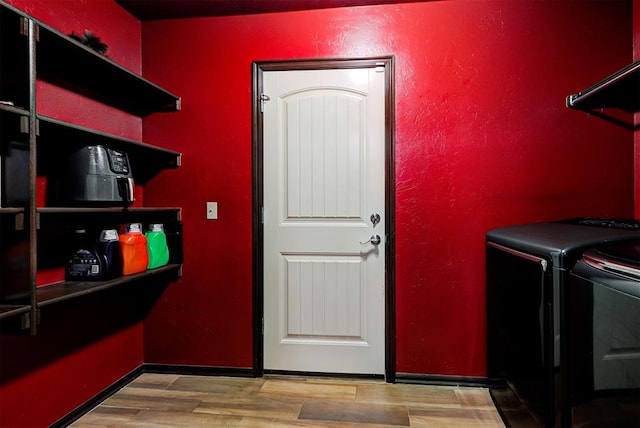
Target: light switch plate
(212,210)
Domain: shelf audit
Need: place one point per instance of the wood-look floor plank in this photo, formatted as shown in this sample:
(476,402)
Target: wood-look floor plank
(250,422)
(454,417)
(229,386)
(415,395)
(152,419)
(153,380)
(351,412)
(162,393)
(477,398)
(337,380)
(106,416)
(253,422)
(266,407)
(308,390)
(133,401)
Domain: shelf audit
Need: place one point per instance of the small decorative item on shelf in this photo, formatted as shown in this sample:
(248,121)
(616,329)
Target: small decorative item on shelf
(90,40)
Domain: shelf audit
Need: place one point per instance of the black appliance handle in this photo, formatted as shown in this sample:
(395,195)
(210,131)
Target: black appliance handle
(520,254)
(125,189)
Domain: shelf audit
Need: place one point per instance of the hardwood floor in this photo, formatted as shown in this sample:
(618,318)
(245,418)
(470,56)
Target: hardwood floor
(159,400)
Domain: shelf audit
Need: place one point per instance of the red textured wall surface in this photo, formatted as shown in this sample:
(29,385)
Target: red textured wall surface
(83,346)
(483,139)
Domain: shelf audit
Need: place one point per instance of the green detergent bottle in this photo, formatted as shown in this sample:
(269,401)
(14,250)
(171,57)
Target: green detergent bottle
(157,246)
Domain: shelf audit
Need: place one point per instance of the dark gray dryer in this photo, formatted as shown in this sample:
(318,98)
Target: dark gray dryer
(527,269)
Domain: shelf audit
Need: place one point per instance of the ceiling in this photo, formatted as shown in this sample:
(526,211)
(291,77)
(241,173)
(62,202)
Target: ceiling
(146,10)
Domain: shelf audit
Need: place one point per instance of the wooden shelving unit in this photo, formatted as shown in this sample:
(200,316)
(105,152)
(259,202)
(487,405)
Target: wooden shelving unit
(33,237)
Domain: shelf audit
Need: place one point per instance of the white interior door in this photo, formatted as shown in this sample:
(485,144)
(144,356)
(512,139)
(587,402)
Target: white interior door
(324,185)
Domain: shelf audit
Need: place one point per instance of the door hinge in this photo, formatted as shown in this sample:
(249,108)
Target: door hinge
(263,326)
(263,98)
(379,67)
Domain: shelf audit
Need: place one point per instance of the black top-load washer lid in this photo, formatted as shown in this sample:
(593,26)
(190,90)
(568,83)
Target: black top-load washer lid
(615,265)
(562,242)
(623,253)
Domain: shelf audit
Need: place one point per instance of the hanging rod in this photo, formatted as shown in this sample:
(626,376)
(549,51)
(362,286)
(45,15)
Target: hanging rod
(588,98)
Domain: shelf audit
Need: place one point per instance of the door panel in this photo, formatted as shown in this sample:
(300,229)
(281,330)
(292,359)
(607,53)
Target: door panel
(324,151)
(324,298)
(323,178)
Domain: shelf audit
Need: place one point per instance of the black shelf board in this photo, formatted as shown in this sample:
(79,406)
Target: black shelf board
(11,210)
(68,63)
(7,311)
(14,123)
(57,136)
(87,215)
(619,90)
(62,215)
(17,213)
(106,210)
(13,109)
(65,290)
(59,217)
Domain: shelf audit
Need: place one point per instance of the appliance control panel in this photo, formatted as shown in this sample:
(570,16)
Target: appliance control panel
(614,223)
(119,162)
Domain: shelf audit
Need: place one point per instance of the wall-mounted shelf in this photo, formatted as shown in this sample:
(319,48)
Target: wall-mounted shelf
(13,109)
(68,63)
(620,90)
(81,216)
(65,290)
(56,226)
(109,210)
(11,211)
(7,311)
(57,137)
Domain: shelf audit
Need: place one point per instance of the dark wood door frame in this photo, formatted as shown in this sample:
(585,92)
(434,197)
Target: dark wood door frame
(258,238)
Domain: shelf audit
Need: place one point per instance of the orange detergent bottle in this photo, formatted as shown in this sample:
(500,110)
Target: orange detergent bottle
(133,246)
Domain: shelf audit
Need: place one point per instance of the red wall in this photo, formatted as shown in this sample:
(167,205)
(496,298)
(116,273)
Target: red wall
(83,346)
(483,139)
